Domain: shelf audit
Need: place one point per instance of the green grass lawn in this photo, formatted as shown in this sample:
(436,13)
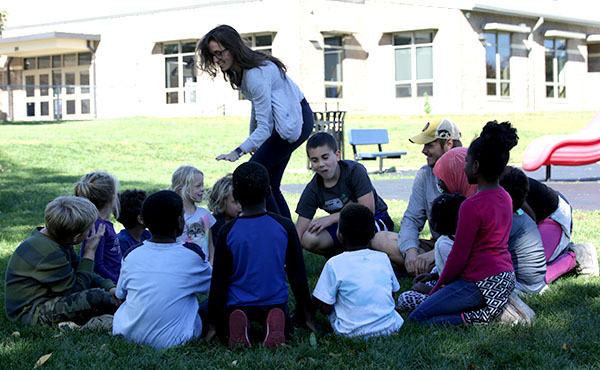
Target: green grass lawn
(41,161)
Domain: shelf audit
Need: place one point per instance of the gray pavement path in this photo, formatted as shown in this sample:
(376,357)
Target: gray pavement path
(581,194)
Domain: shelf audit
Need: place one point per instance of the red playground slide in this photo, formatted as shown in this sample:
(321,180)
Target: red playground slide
(576,149)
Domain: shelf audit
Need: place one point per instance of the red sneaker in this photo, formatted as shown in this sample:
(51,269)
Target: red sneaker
(238,329)
(275,328)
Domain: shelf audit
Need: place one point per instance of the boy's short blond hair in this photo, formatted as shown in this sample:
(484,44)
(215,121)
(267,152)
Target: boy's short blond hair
(182,181)
(218,194)
(68,216)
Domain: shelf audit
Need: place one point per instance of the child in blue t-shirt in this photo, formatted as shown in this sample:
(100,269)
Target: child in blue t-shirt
(255,252)
(135,231)
(356,287)
(335,183)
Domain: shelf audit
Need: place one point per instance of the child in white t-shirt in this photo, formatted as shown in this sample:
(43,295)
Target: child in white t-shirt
(160,279)
(355,288)
(188,182)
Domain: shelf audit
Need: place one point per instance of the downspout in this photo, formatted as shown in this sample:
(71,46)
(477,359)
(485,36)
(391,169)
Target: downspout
(532,81)
(10,93)
(93,47)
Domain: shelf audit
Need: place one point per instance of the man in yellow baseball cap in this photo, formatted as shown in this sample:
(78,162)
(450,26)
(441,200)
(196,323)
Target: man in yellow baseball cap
(406,249)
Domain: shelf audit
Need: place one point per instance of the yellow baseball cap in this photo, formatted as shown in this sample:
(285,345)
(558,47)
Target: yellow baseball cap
(441,128)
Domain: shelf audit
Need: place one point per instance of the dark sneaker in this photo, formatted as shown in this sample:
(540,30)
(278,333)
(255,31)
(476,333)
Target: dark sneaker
(517,312)
(586,259)
(275,328)
(238,329)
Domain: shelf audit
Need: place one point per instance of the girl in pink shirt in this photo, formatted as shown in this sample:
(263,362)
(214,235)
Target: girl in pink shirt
(478,276)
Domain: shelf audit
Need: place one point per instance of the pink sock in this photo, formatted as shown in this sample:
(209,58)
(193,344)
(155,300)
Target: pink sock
(561,265)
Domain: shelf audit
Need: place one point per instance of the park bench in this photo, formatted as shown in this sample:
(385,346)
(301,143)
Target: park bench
(371,137)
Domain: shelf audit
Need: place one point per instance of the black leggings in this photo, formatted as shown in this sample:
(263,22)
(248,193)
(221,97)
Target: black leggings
(275,153)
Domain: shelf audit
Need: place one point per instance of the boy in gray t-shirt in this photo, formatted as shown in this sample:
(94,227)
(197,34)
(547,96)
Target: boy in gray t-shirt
(335,184)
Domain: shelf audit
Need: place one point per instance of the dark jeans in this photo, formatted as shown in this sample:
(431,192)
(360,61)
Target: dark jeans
(275,153)
(446,305)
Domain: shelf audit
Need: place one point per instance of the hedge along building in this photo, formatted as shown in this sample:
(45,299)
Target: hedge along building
(377,57)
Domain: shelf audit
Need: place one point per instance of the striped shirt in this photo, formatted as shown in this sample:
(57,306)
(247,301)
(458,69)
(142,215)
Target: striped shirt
(41,269)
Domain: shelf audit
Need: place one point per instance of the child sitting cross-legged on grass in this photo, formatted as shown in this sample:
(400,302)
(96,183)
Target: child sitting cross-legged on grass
(46,281)
(356,287)
(335,183)
(159,279)
(188,182)
(101,189)
(478,276)
(135,231)
(444,218)
(253,255)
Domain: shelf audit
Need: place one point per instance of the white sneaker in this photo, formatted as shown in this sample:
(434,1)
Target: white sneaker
(517,312)
(586,259)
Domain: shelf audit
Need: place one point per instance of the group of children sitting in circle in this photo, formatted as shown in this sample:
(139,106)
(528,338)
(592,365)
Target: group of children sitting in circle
(489,223)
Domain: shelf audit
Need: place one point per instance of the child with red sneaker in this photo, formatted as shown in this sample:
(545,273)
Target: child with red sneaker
(253,255)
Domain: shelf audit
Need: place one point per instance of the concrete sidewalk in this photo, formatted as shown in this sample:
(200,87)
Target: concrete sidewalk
(581,194)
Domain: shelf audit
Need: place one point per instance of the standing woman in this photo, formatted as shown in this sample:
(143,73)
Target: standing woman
(280,120)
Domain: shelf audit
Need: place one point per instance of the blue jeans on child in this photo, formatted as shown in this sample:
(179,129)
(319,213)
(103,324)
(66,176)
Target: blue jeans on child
(275,153)
(446,305)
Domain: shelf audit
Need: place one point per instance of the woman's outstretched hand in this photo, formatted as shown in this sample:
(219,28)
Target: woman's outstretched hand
(231,157)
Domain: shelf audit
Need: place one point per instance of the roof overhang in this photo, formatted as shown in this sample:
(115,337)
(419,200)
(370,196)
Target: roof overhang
(46,44)
(565,34)
(550,10)
(337,32)
(506,27)
(593,39)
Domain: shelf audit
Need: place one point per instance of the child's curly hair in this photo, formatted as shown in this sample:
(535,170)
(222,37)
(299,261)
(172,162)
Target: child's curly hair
(131,207)
(218,194)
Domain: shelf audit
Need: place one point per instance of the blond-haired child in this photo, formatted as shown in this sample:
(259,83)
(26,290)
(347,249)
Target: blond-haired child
(222,204)
(101,189)
(46,281)
(188,182)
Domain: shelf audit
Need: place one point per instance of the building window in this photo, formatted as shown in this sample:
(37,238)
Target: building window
(50,72)
(334,55)
(497,63)
(259,42)
(556,62)
(593,57)
(413,55)
(180,81)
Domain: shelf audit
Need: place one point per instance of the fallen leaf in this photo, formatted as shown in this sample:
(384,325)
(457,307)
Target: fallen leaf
(300,358)
(351,352)
(566,347)
(104,346)
(336,355)
(313,340)
(234,363)
(16,334)
(42,360)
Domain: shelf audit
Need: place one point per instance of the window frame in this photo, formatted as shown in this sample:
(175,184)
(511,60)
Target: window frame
(339,50)
(185,92)
(414,81)
(498,80)
(557,83)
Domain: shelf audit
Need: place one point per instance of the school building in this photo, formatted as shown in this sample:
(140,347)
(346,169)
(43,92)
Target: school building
(369,56)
